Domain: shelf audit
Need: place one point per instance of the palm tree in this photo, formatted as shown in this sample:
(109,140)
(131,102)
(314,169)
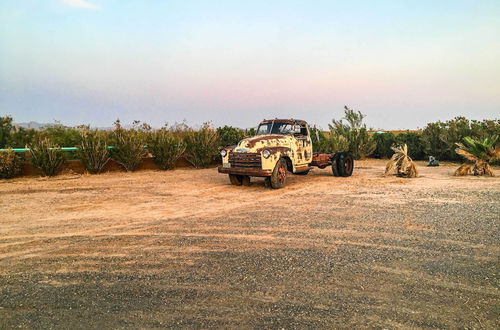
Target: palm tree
(400,163)
(481,152)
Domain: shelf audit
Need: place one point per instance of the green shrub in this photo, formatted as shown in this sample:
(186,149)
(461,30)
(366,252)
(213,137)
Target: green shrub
(46,157)
(10,164)
(384,142)
(167,146)
(5,129)
(62,136)
(128,146)
(416,147)
(439,138)
(93,150)
(319,140)
(229,136)
(20,137)
(250,132)
(202,146)
(352,136)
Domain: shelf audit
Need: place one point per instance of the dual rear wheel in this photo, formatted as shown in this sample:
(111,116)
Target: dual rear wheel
(342,164)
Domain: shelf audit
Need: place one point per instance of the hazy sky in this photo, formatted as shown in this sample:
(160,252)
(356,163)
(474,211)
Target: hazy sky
(403,63)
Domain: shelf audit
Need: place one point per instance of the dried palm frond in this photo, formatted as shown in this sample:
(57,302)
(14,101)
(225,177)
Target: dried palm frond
(461,150)
(463,170)
(401,164)
(481,152)
(482,168)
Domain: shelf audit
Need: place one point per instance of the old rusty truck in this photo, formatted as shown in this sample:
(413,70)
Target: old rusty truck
(280,146)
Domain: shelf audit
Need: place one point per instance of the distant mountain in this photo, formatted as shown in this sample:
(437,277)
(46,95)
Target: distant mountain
(38,126)
(31,124)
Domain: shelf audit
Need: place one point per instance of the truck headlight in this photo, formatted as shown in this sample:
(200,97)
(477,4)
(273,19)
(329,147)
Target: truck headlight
(223,153)
(266,153)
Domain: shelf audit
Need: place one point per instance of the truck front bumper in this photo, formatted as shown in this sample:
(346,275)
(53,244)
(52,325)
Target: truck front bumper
(245,171)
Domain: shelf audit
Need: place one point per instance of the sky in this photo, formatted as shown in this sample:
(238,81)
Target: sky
(402,63)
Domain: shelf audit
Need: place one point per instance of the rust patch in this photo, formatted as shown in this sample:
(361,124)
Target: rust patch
(302,169)
(244,171)
(274,150)
(251,143)
(321,160)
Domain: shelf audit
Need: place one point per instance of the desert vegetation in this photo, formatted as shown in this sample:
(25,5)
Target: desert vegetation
(351,135)
(202,145)
(93,150)
(401,163)
(167,146)
(10,164)
(46,156)
(480,151)
(128,145)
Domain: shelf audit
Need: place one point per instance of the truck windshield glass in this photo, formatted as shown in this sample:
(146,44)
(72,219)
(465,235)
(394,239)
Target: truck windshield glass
(276,128)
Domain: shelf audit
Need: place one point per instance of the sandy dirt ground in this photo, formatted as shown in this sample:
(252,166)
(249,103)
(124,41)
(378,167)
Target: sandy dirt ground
(185,249)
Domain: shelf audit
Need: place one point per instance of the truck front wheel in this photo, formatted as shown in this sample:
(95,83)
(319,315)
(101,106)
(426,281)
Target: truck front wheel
(236,180)
(278,178)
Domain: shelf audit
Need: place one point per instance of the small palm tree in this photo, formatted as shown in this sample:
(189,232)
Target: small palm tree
(400,163)
(481,152)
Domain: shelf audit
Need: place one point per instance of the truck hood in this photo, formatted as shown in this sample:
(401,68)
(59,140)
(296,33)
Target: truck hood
(260,142)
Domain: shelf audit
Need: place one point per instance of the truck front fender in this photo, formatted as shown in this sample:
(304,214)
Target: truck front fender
(276,154)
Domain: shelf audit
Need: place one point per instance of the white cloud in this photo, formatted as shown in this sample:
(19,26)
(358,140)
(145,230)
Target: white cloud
(81,4)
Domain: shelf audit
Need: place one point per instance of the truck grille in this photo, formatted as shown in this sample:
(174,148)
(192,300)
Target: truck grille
(245,159)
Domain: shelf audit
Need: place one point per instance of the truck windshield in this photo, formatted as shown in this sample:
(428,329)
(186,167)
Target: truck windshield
(276,128)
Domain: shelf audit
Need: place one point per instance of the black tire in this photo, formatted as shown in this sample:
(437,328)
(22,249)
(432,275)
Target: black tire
(245,180)
(345,164)
(267,182)
(302,173)
(278,178)
(236,180)
(335,168)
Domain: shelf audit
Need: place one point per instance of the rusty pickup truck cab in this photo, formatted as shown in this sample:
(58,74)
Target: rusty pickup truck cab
(280,146)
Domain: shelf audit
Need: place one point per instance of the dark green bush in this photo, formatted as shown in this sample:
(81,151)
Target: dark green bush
(11,164)
(20,137)
(129,146)
(384,142)
(93,150)
(5,129)
(61,135)
(319,140)
(250,132)
(202,146)
(167,146)
(46,156)
(14,136)
(229,135)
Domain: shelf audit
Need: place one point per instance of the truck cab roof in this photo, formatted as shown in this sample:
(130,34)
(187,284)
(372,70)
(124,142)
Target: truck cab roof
(285,121)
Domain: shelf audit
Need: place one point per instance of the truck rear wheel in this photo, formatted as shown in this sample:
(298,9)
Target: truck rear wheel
(278,178)
(335,167)
(236,180)
(345,164)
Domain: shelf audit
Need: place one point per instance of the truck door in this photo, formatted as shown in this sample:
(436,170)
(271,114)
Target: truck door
(304,144)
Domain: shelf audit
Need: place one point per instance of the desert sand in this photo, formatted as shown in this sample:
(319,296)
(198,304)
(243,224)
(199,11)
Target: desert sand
(184,248)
